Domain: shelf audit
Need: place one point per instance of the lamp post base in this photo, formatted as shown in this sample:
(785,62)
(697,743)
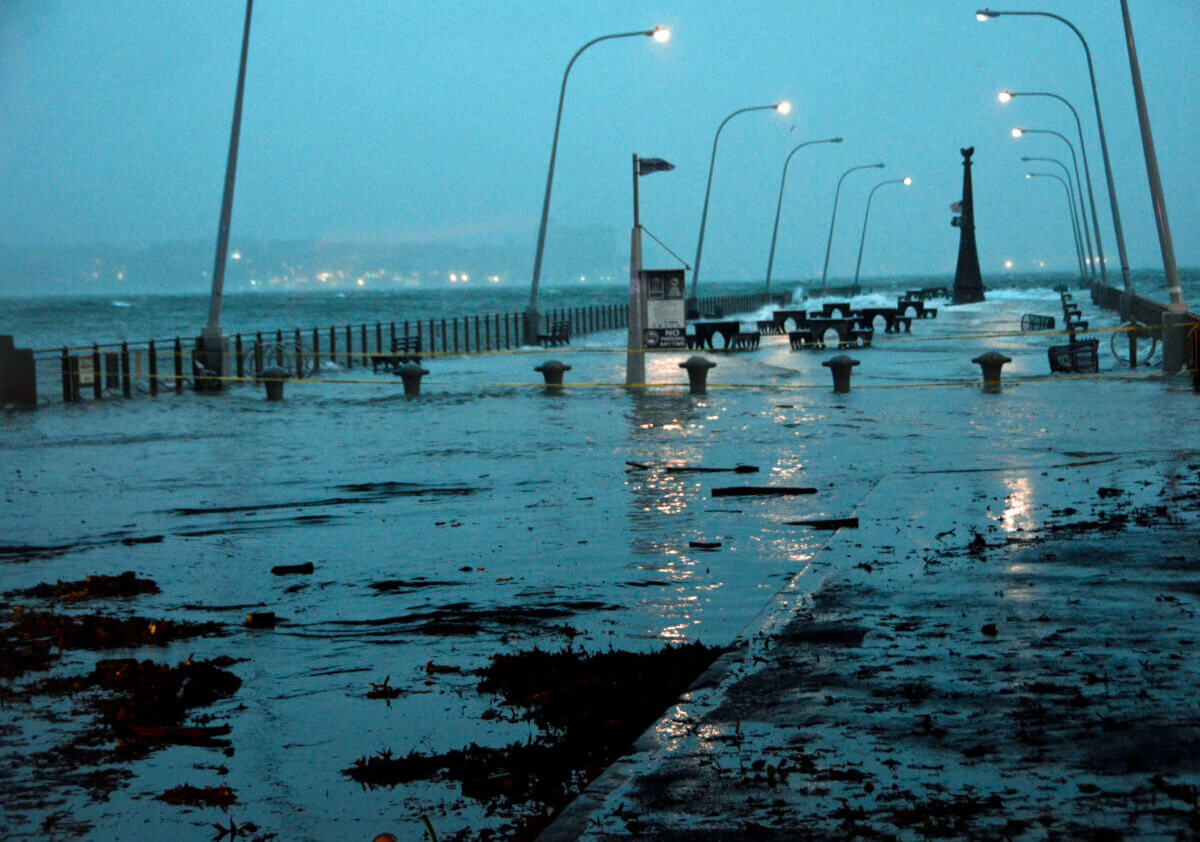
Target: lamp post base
(531,326)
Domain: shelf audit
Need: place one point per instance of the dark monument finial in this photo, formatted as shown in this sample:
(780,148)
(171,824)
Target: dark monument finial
(968,285)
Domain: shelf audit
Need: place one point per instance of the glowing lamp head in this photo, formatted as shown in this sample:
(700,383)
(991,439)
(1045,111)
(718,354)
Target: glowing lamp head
(907,180)
(985,14)
(1004,96)
(1018,132)
(661,34)
(1029,175)
(784,107)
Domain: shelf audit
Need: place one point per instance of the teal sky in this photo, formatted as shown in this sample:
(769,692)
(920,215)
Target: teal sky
(415,121)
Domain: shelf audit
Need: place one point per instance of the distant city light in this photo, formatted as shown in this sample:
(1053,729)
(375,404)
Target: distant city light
(465,277)
(494,279)
(453,277)
(362,282)
(1008,264)
(237,255)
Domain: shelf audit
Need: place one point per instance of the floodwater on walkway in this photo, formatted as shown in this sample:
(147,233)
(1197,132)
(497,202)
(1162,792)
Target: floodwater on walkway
(487,516)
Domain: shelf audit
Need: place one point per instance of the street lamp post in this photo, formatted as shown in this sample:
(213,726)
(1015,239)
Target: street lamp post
(1084,259)
(1170,269)
(783,108)
(1070,208)
(1006,96)
(906,181)
(532,317)
(986,14)
(779,204)
(212,344)
(1018,133)
(833,216)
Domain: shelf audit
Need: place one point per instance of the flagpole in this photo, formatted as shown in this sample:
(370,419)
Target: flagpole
(635,354)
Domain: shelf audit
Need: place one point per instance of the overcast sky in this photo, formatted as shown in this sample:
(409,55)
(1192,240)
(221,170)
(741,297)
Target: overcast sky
(395,120)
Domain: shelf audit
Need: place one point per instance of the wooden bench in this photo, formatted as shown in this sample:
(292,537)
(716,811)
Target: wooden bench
(558,332)
(744,342)
(405,349)
(705,330)
(767,327)
(802,340)
(863,336)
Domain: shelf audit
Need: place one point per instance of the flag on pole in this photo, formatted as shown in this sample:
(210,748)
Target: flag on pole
(956,207)
(649,165)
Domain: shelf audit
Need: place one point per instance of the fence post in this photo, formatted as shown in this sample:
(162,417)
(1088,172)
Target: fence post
(178,366)
(66,375)
(241,365)
(332,345)
(363,331)
(299,356)
(316,349)
(152,362)
(126,384)
(97,381)
(349,347)
(258,354)
(454,321)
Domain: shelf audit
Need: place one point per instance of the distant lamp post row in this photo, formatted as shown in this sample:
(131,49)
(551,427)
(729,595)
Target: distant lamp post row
(1019,132)
(1086,257)
(833,217)
(1007,96)
(1071,211)
(906,181)
(532,317)
(783,107)
(1170,269)
(988,14)
(779,204)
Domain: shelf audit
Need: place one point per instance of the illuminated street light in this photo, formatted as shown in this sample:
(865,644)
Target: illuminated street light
(532,317)
(833,217)
(779,204)
(1090,259)
(1007,96)
(906,181)
(1071,208)
(783,107)
(987,14)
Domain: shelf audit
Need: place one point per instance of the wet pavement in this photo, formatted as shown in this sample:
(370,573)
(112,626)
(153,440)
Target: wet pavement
(1010,620)
(1004,647)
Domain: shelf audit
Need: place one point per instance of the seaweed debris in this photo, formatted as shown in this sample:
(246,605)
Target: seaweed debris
(92,587)
(590,709)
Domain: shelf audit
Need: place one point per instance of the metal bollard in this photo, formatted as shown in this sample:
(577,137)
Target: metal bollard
(697,371)
(991,363)
(840,366)
(273,378)
(552,371)
(411,373)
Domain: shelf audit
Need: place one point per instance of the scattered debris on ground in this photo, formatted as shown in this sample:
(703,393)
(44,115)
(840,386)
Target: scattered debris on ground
(589,707)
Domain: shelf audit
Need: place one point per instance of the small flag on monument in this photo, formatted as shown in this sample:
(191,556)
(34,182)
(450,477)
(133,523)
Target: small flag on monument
(649,165)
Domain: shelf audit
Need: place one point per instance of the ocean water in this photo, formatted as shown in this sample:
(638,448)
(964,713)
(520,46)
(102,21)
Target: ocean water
(49,323)
(500,517)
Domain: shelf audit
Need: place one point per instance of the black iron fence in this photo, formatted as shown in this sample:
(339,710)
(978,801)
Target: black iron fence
(152,367)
